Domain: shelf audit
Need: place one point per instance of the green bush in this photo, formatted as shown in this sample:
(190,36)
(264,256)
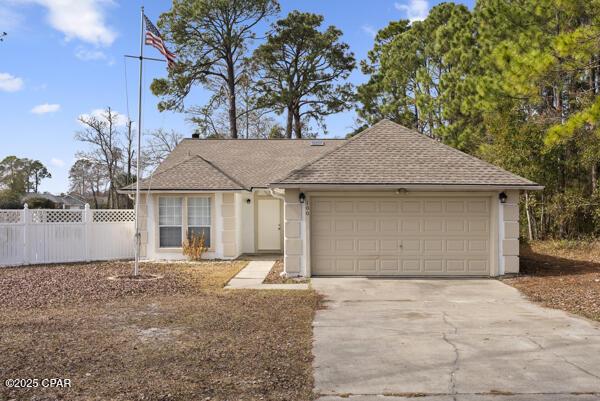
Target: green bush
(10,200)
(40,203)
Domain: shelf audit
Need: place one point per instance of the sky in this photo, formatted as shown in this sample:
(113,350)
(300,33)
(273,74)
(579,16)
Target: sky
(65,58)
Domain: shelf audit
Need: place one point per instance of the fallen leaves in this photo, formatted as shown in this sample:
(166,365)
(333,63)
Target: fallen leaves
(181,337)
(567,279)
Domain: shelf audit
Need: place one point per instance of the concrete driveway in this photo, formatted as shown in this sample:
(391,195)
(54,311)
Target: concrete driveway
(388,340)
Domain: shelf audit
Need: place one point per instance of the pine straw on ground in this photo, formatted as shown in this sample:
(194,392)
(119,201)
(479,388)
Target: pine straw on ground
(181,337)
(275,277)
(561,275)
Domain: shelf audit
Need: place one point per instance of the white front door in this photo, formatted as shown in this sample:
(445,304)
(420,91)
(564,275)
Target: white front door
(269,224)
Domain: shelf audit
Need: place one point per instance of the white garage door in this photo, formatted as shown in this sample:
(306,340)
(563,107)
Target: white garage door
(400,237)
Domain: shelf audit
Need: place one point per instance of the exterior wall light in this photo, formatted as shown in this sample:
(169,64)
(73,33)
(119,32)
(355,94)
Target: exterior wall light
(502,196)
(248,201)
(301,197)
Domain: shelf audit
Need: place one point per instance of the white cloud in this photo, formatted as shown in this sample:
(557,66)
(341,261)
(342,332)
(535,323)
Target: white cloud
(45,108)
(10,83)
(368,29)
(9,19)
(120,120)
(81,19)
(89,55)
(415,10)
(57,162)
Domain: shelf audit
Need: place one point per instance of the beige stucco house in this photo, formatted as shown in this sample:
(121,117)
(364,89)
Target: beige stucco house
(389,201)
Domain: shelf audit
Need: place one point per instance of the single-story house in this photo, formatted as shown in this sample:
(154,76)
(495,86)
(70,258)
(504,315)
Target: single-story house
(62,201)
(387,202)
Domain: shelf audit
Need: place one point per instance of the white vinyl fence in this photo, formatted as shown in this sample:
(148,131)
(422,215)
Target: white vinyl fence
(31,236)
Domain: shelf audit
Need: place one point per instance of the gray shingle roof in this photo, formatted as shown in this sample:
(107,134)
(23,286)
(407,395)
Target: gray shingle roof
(388,153)
(229,164)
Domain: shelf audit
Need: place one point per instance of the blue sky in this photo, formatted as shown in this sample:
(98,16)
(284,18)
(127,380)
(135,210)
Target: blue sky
(64,58)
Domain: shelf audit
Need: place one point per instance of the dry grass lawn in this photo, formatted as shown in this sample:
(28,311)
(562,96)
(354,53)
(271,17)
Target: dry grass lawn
(178,338)
(562,275)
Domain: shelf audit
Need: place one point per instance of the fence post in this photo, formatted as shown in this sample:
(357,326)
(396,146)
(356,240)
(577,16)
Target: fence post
(87,221)
(25,233)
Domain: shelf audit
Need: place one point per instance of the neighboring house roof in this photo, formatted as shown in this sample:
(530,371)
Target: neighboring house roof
(62,199)
(390,154)
(231,164)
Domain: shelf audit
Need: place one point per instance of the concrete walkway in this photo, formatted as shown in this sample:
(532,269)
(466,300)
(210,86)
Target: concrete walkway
(253,275)
(449,340)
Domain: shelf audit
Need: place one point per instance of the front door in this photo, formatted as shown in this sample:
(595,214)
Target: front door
(269,224)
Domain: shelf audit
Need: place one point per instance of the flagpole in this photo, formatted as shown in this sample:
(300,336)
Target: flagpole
(136,268)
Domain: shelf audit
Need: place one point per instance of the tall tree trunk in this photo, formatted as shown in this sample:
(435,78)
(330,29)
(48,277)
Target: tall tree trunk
(233,131)
(530,234)
(297,123)
(593,177)
(289,122)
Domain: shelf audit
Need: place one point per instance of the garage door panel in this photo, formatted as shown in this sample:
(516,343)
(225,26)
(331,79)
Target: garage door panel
(456,266)
(478,226)
(367,245)
(433,206)
(343,206)
(433,225)
(433,265)
(455,245)
(433,245)
(389,206)
(366,226)
(367,265)
(411,245)
(345,266)
(410,226)
(455,226)
(389,226)
(417,236)
(477,206)
(478,266)
(389,266)
(455,206)
(343,225)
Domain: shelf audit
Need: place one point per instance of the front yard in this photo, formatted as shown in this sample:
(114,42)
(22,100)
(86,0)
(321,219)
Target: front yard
(181,337)
(562,275)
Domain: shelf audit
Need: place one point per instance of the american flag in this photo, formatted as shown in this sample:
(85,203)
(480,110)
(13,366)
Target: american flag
(153,38)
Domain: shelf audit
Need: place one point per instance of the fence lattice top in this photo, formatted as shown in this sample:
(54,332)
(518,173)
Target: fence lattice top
(56,216)
(10,216)
(65,216)
(113,216)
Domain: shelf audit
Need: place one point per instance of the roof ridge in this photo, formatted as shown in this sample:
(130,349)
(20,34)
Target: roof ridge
(350,140)
(214,166)
(188,158)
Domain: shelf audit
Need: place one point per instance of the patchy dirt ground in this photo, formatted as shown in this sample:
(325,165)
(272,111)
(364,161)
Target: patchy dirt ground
(178,338)
(274,276)
(562,275)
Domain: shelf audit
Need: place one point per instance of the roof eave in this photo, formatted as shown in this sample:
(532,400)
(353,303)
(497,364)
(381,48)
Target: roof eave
(424,187)
(164,190)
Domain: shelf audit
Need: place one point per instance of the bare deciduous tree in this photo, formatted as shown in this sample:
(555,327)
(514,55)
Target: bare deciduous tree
(100,132)
(159,144)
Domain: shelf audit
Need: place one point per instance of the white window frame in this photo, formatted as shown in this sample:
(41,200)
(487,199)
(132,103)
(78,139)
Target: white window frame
(184,220)
(210,217)
(180,226)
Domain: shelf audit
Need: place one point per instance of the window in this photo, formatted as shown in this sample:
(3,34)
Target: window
(198,219)
(170,222)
